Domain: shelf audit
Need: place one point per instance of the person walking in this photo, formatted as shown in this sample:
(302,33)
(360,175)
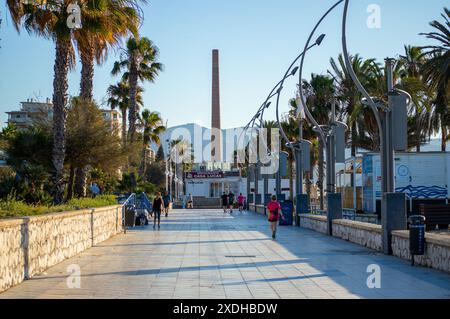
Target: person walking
(224,202)
(190,203)
(185,201)
(166,200)
(95,190)
(241,201)
(275,213)
(158,206)
(231,201)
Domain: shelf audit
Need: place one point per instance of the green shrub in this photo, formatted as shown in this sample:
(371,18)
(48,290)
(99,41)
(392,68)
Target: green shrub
(12,207)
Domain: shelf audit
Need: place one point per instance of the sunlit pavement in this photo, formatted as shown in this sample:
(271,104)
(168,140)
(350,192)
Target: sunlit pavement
(209,254)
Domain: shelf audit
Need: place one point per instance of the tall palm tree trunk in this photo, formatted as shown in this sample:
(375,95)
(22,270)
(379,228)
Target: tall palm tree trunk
(321,172)
(87,74)
(86,93)
(353,151)
(132,112)
(143,165)
(443,136)
(60,98)
(419,134)
(124,126)
(291,179)
(71,180)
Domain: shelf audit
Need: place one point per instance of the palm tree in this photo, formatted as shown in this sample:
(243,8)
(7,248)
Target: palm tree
(409,69)
(436,72)
(51,24)
(140,62)
(357,117)
(319,103)
(119,98)
(105,22)
(291,129)
(152,128)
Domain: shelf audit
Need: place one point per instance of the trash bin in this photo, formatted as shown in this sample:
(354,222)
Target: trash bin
(416,236)
(130,213)
(287,208)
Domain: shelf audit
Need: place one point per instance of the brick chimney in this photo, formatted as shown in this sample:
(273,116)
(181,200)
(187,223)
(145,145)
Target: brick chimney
(216,138)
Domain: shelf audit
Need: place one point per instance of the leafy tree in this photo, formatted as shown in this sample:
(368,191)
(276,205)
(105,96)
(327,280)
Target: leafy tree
(160,157)
(49,22)
(29,155)
(90,141)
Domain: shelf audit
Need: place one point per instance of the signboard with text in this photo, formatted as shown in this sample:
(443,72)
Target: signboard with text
(203,175)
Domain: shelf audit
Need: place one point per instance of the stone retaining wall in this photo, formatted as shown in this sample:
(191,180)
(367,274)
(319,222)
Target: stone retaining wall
(314,222)
(364,234)
(437,249)
(30,245)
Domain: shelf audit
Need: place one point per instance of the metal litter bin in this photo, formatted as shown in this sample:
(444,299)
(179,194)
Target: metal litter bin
(130,216)
(416,236)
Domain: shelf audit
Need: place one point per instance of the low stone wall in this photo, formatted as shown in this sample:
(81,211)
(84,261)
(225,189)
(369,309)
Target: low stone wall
(437,249)
(364,234)
(260,209)
(30,245)
(314,222)
(367,218)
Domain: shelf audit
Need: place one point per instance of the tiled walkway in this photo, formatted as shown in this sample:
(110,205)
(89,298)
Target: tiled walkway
(207,254)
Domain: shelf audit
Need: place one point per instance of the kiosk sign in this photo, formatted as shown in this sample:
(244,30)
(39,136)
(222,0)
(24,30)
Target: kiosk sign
(204,175)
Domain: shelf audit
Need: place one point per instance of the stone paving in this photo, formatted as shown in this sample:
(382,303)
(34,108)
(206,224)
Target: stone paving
(209,254)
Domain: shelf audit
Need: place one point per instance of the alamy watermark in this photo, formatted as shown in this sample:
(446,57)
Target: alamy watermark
(374,19)
(73,20)
(74,279)
(236,146)
(374,279)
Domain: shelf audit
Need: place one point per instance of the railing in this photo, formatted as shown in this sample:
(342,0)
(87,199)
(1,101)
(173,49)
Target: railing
(130,201)
(146,202)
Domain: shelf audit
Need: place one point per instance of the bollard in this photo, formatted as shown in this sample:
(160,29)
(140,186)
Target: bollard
(334,201)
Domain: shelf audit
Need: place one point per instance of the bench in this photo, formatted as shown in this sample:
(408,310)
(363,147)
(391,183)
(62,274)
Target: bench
(436,215)
(349,213)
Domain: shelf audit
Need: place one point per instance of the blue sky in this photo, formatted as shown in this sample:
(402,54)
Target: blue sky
(257,40)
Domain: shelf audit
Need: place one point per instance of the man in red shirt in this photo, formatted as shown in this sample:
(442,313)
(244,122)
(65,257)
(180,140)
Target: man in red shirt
(275,213)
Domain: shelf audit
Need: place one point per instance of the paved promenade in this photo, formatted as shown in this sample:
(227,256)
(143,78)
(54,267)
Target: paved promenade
(207,254)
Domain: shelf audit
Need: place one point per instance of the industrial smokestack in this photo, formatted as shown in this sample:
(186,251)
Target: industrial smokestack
(216,138)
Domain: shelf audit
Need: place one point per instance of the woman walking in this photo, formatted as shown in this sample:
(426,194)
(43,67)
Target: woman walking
(275,213)
(241,201)
(158,206)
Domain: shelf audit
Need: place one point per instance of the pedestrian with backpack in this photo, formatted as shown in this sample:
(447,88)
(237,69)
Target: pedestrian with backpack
(275,213)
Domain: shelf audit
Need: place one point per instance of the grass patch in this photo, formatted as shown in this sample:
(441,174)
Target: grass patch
(15,208)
